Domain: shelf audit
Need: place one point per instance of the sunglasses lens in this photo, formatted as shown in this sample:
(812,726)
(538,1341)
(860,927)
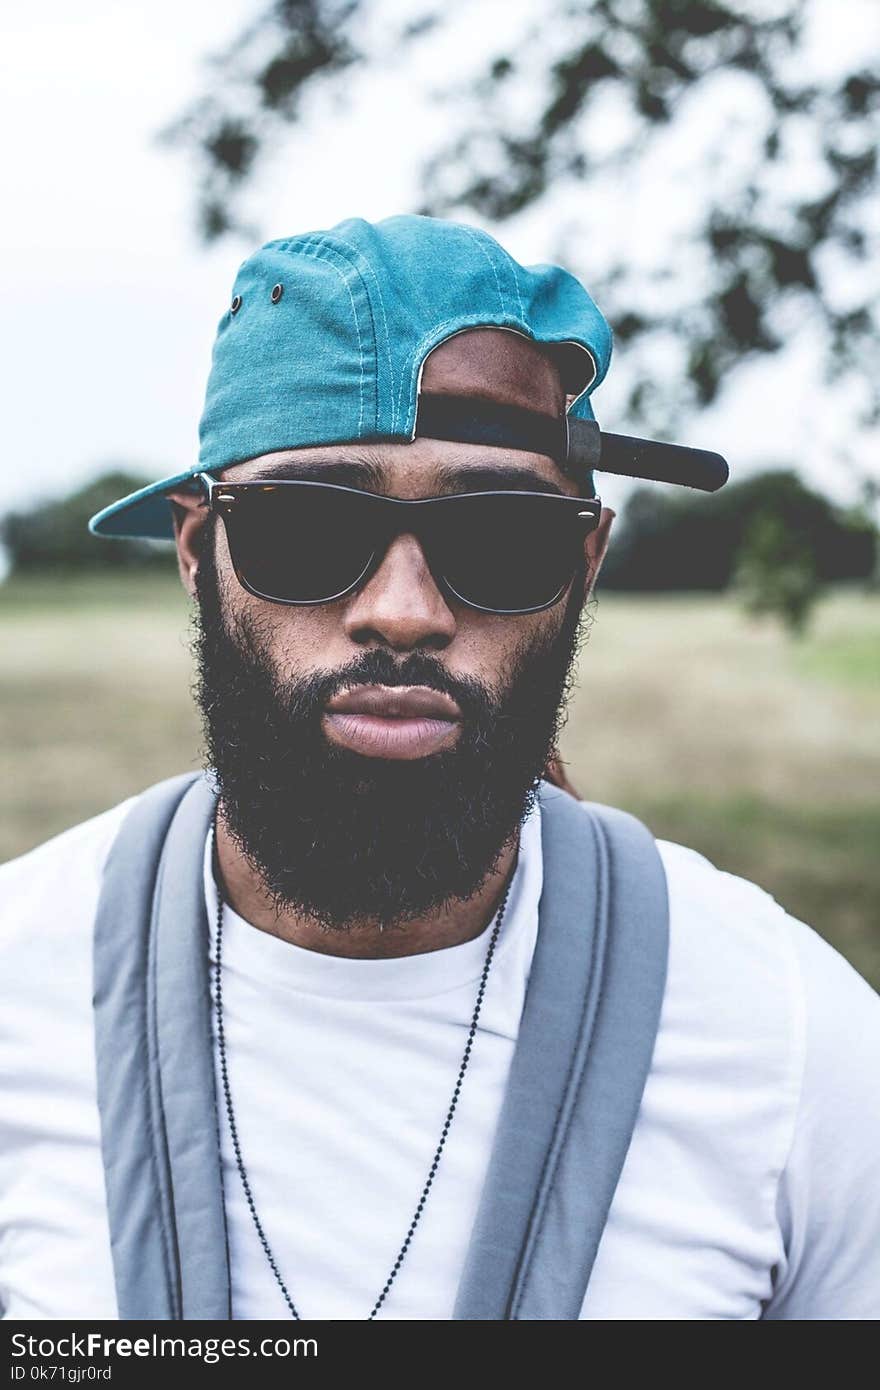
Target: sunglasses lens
(299,544)
(307,543)
(509,553)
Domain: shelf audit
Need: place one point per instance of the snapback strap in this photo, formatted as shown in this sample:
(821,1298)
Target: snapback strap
(476,420)
(571,442)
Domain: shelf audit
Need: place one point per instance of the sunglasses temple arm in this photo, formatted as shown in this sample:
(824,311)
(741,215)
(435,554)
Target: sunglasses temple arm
(207,484)
(590,447)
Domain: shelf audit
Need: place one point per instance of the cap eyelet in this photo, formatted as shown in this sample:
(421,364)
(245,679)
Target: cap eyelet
(235,305)
(277,292)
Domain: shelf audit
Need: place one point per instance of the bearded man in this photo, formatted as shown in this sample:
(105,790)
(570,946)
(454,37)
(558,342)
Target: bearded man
(364,949)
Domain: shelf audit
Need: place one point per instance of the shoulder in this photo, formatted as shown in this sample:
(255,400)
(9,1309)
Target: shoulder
(700,889)
(94,833)
(731,928)
(52,890)
(828,1196)
(48,899)
(752,960)
(760,1000)
(729,931)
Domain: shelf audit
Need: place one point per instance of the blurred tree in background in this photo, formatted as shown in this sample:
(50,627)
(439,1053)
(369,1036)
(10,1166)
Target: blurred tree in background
(682,540)
(54,536)
(769,204)
(776,572)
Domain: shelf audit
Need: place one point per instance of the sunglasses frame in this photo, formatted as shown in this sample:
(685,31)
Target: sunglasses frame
(221,497)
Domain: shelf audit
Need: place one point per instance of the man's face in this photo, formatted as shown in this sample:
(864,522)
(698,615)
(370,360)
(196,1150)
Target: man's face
(341,823)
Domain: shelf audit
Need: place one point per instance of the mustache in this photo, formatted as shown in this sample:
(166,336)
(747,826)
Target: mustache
(379,668)
(306,696)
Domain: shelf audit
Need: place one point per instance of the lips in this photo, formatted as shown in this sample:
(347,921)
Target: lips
(381,721)
(395,702)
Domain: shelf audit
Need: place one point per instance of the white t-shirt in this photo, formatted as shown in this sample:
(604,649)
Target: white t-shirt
(750,1188)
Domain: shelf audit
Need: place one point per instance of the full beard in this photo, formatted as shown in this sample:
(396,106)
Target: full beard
(351,840)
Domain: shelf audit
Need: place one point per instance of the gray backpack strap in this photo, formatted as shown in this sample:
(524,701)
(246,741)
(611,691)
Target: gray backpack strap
(156,1093)
(582,1057)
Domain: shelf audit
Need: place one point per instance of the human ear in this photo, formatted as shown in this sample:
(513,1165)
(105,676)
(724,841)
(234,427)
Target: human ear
(190,514)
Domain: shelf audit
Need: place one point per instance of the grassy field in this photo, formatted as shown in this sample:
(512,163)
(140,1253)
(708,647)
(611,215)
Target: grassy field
(759,751)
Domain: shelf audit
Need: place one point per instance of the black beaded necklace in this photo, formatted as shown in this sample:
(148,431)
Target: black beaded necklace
(233,1128)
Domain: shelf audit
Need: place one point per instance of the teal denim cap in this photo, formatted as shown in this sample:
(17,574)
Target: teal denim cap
(327,332)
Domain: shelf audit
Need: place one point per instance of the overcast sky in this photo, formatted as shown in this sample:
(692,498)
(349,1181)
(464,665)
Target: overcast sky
(110,301)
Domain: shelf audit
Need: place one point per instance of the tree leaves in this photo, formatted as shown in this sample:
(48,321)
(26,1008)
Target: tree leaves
(783,213)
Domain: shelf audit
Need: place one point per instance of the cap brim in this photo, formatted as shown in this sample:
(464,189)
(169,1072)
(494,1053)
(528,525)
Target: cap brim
(145,514)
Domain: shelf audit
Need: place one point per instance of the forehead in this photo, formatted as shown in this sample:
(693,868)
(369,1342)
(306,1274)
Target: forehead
(424,468)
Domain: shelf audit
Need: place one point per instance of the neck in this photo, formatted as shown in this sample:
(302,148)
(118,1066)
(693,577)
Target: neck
(451,925)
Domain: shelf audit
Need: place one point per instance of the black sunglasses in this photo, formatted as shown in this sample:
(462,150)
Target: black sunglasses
(299,542)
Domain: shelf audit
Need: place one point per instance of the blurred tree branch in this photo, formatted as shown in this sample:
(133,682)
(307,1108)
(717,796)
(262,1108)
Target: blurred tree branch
(764,254)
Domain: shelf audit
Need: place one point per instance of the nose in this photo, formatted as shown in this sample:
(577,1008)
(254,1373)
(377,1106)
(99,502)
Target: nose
(400,605)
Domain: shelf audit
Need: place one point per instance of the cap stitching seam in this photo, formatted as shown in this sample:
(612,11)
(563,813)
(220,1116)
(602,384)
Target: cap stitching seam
(355,251)
(328,247)
(316,249)
(472,235)
(490,248)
